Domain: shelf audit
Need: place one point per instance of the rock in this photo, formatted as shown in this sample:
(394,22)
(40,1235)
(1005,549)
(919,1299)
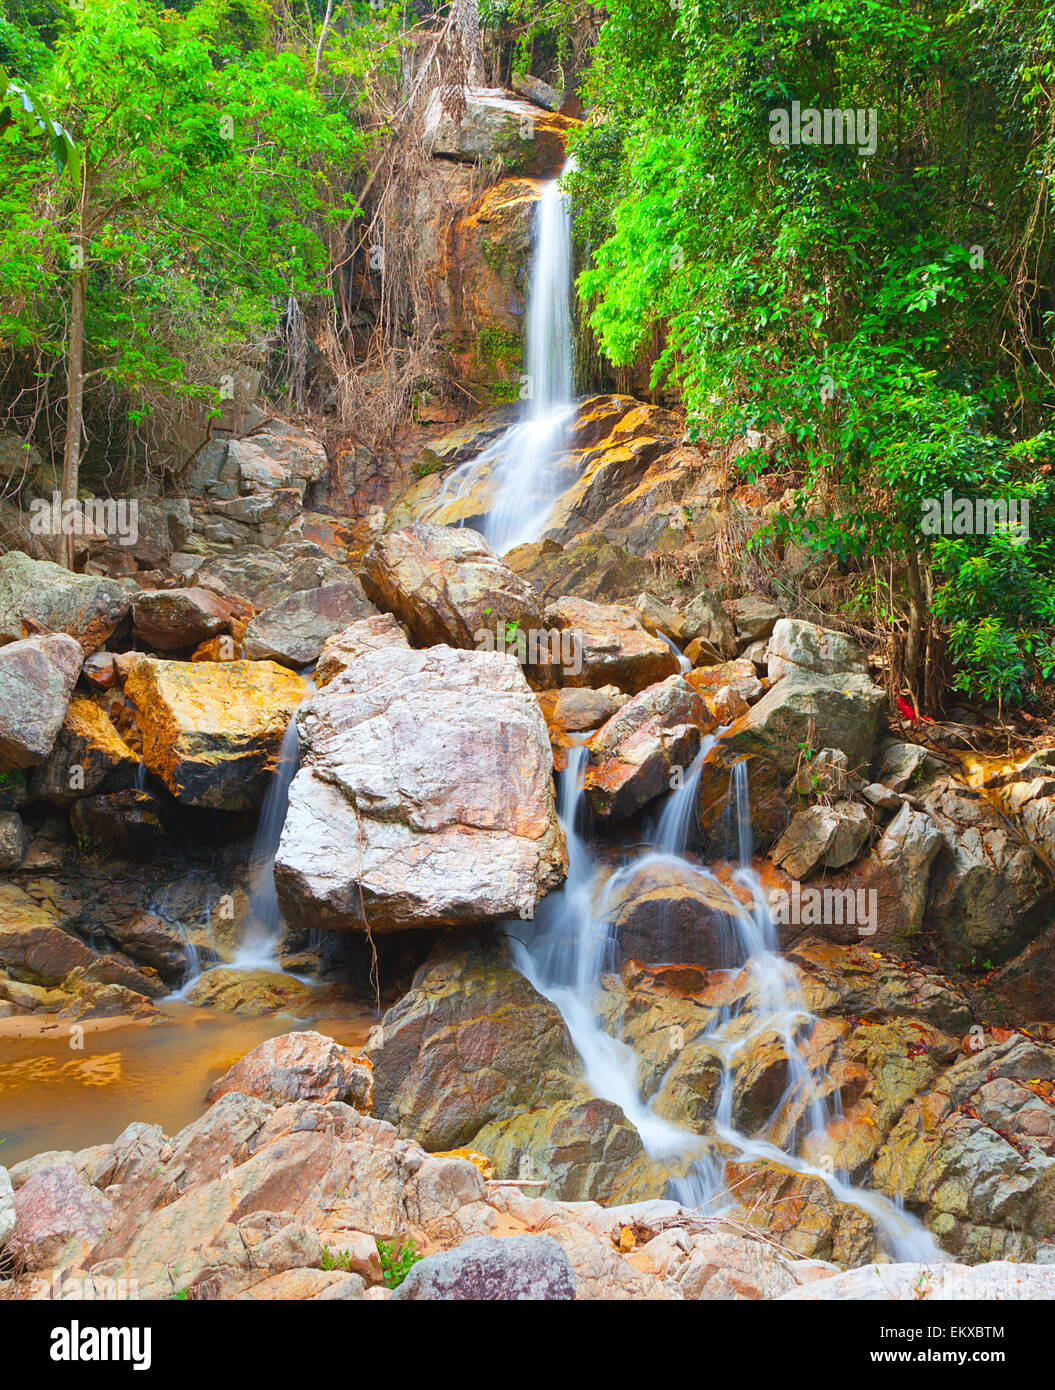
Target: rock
(89,756)
(264,576)
(588,567)
(344,648)
(753,618)
(575,709)
(829,835)
(294,630)
(899,765)
(447,586)
(54,600)
(252,992)
(728,1266)
(514,1268)
(37,676)
(299,1066)
(155,942)
(279,457)
(657,618)
(425,798)
(1023,990)
(974,1151)
(738,676)
(708,630)
(600,1273)
(582,1148)
(470,1042)
(796,648)
(615,648)
(802,1213)
(861,983)
(494,125)
(8,1214)
(57,1218)
(717,803)
(171,619)
(211,731)
(932,1282)
(127,823)
(541,93)
(13,841)
(803,712)
(632,758)
(666,910)
(989,888)
(898,870)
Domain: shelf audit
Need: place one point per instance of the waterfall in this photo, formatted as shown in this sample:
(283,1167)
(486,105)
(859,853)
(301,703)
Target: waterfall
(518,468)
(568,947)
(259,947)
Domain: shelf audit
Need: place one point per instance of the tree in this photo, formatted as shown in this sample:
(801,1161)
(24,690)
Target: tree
(200,169)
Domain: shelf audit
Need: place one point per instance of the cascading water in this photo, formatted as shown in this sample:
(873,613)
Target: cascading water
(519,466)
(568,947)
(259,947)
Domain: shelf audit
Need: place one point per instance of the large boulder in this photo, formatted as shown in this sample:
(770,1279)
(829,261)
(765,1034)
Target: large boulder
(615,647)
(804,713)
(798,648)
(514,1268)
(588,567)
(447,586)
(58,1216)
(212,730)
(348,645)
(664,909)
(470,1042)
(294,630)
(37,595)
(88,756)
(425,799)
(170,619)
(632,758)
(37,676)
(494,125)
(989,889)
(127,823)
(299,1066)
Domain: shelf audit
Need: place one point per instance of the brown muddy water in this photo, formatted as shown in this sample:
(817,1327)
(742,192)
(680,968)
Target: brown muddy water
(63,1090)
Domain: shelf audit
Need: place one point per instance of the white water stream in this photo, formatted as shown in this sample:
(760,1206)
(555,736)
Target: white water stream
(517,469)
(568,947)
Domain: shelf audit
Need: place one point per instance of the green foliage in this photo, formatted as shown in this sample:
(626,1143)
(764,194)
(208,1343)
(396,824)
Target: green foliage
(206,177)
(336,1259)
(398,1258)
(870,312)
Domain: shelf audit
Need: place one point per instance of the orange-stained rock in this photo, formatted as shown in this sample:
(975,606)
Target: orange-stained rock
(211,730)
(643,751)
(478,1160)
(221,648)
(300,1066)
(89,756)
(615,648)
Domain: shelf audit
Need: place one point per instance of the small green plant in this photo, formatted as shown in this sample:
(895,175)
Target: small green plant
(397,1260)
(336,1259)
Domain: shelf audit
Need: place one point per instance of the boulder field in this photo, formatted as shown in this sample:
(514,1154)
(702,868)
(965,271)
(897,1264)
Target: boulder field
(372,714)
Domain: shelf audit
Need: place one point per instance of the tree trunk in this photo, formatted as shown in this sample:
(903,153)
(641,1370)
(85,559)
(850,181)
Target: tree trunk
(71,457)
(466,15)
(917,613)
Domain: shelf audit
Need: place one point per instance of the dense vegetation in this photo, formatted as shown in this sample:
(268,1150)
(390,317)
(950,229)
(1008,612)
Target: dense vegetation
(878,309)
(886,315)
